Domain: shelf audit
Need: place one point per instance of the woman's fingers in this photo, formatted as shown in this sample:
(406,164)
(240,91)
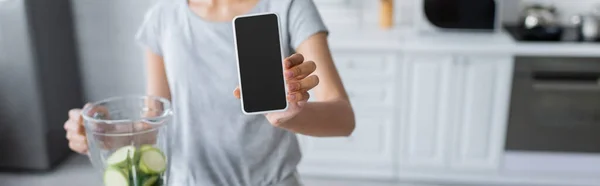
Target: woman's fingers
(293,60)
(74,114)
(74,125)
(78,147)
(301,71)
(305,84)
(298,90)
(236,92)
(298,96)
(76,131)
(77,140)
(76,137)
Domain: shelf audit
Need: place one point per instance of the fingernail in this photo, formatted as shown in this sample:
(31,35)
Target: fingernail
(289,74)
(292,87)
(288,64)
(292,97)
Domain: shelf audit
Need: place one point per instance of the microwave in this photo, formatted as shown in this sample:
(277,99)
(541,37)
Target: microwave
(473,15)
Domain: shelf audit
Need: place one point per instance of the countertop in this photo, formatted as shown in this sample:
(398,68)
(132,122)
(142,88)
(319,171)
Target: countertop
(410,40)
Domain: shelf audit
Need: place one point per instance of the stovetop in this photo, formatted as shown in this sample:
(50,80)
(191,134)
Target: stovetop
(569,34)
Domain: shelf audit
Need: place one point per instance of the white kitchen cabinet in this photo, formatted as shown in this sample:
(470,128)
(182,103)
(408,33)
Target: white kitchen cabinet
(455,111)
(423,114)
(481,107)
(369,152)
(424,127)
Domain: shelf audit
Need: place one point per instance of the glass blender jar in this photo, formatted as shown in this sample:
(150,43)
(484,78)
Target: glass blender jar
(127,139)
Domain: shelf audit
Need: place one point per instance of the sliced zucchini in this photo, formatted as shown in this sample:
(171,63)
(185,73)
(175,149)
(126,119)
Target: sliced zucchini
(146,147)
(114,176)
(150,181)
(152,161)
(122,156)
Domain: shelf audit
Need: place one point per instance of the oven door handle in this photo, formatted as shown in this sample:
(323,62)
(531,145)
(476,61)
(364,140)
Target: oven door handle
(567,85)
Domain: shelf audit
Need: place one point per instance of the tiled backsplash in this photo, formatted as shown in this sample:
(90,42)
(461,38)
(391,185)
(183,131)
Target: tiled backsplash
(365,12)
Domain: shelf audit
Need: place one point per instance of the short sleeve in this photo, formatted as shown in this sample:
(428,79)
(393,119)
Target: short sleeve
(149,33)
(304,21)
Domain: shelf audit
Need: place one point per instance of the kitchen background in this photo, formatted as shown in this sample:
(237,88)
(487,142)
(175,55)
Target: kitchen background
(104,30)
(456,107)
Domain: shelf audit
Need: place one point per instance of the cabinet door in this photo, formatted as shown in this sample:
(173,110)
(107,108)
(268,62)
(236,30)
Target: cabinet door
(369,151)
(424,129)
(481,108)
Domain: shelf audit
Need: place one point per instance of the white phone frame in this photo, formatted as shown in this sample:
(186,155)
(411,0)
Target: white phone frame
(238,63)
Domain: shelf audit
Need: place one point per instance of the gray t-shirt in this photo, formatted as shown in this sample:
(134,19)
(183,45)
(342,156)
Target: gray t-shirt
(212,141)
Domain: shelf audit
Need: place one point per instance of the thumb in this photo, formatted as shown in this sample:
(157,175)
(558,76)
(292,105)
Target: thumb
(236,92)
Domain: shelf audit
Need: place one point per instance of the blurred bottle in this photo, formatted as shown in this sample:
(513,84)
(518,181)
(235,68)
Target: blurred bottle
(386,14)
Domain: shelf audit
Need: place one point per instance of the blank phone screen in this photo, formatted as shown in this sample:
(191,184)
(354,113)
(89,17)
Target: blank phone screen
(260,63)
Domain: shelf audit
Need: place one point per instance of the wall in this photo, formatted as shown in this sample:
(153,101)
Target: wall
(111,61)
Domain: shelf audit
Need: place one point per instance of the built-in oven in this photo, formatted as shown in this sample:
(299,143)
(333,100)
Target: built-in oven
(554,122)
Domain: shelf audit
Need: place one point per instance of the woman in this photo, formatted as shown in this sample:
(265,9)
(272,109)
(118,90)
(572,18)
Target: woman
(191,60)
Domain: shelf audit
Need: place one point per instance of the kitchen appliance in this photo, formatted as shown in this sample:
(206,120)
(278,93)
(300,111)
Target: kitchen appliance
(554,119)
(540,22)
(39,82)
(127,139)
(461,14)
(568,34)
(539,16)
(588,25)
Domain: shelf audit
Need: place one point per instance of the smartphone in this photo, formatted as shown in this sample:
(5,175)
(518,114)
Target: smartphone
(257,39)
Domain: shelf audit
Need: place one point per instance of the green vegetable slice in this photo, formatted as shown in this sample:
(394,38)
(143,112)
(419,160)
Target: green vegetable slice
(150,181)
(122,156)
(114,176)
(152,161)
(146,147)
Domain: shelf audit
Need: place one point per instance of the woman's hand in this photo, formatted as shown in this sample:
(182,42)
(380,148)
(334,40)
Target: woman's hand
(77,137)
(76,132)
(299,81)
